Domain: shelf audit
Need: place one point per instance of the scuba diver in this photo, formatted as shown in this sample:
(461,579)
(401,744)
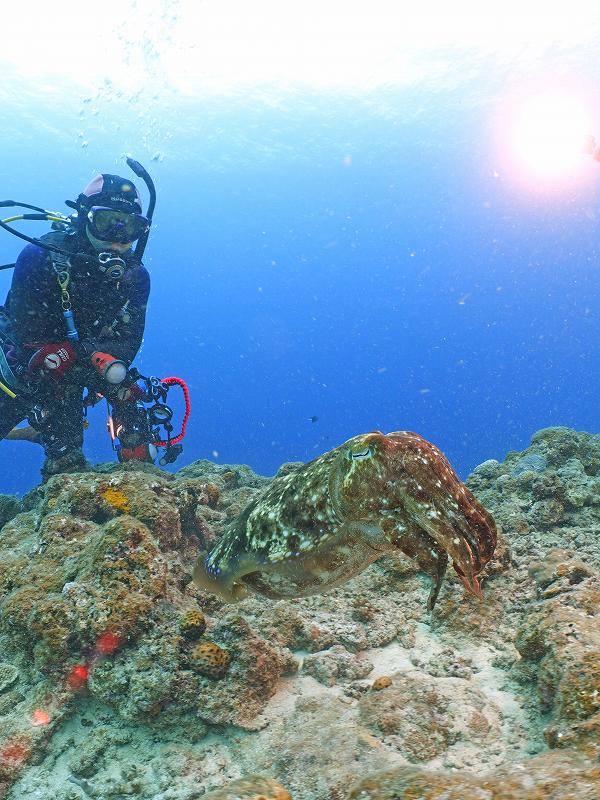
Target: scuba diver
(74,319)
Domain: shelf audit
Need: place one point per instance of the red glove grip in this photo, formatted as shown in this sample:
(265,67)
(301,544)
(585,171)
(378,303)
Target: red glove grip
(52,360)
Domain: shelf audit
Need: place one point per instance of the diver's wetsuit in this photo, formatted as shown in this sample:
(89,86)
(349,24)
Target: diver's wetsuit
(34,316)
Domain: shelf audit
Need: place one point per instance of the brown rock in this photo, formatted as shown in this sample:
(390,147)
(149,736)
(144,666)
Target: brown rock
(547,777)
(250,788)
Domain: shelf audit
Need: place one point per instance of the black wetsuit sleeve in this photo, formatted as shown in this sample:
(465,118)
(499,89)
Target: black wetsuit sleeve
(34,300)
(129,332)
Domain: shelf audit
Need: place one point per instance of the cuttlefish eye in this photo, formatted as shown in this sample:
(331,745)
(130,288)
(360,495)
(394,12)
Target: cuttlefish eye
(359,455)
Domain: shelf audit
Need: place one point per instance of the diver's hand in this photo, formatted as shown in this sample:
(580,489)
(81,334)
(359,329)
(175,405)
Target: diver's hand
(85,348)
(52,360)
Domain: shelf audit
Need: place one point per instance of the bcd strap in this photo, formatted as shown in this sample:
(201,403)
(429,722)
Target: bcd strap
(8,378)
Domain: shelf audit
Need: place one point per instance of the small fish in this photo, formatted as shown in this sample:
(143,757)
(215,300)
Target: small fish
(313,419)
(377,494)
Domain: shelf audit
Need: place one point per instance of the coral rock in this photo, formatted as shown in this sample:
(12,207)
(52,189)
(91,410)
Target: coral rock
(210,659)
(9,675)
(9,508)
(250,788)
(546,777)
(422,717)
(329,666)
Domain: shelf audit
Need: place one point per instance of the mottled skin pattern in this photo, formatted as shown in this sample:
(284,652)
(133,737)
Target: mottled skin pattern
(376,494)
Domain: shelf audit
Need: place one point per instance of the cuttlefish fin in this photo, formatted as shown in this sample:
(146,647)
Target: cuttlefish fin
(223,584)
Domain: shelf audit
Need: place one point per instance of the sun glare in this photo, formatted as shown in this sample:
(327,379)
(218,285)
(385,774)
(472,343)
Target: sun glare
(548,133)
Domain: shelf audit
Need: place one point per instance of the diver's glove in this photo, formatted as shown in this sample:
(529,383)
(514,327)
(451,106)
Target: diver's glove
(85,348)
(52,360)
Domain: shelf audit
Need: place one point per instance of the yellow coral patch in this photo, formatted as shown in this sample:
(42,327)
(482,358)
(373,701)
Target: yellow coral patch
(117,499)
(381,683)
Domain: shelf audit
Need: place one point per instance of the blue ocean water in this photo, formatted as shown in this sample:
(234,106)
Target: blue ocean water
(326,262)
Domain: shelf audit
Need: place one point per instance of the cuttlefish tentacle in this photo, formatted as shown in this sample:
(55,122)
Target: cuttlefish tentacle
(448,502)
(449,540)
(425,551)
(220,571)
(481,523)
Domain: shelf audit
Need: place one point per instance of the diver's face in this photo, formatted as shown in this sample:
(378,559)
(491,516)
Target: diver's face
(101,246)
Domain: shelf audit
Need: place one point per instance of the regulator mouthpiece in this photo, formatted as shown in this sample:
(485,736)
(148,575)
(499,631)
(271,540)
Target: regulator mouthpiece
(112,266)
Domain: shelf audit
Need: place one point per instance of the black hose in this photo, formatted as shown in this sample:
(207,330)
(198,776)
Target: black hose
(13,203)
(31,240)
(142,173)
(43,215)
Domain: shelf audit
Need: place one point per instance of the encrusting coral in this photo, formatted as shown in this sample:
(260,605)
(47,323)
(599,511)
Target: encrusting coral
(192,624)
(210,659)
(116,499)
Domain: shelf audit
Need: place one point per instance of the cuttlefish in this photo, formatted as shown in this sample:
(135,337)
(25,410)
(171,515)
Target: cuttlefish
(377,494)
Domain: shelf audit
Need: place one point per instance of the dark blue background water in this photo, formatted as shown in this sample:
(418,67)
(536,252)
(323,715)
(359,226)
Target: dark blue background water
(354,259)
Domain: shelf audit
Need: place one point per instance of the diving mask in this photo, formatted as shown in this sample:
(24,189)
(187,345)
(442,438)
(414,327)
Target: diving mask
(110,225)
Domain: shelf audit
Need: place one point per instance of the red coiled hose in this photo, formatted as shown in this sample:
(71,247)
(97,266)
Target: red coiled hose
(188,408)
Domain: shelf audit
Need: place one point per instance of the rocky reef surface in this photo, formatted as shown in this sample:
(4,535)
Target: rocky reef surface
(120,679)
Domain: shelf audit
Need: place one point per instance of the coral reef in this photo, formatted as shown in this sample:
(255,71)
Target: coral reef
(9,508)
(119,678)
(560,647)
(329,666)
(546,777)
(9,675)
(422,719)
(251,788)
